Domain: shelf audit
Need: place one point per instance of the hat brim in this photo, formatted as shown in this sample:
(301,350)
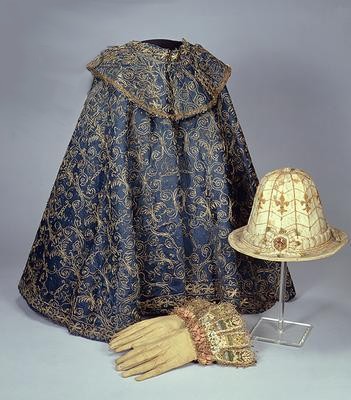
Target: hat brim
(236,241)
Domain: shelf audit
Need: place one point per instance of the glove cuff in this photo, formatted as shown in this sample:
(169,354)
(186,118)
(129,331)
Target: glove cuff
(218,332)
(188,313)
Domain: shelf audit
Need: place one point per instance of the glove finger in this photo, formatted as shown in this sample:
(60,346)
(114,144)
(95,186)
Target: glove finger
(137,350)
(130,329)
(158,370)
(129,355)
(135,339)
(143,341)
(140,357)
(137,327)
(144,367)
(130,338)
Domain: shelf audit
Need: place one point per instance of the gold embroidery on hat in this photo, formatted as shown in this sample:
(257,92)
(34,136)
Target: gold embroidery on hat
(280,243)
(281,203)
(307,202)
(291,220)
(261,200)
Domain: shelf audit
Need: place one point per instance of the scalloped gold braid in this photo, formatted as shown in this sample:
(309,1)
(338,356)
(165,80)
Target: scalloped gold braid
(153,110)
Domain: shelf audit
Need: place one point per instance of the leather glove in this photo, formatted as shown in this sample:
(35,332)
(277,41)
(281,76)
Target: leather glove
(210,333)
(146,331)
(151,359)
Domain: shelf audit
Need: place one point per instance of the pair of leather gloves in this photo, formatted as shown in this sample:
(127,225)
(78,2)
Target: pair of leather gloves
(197,330)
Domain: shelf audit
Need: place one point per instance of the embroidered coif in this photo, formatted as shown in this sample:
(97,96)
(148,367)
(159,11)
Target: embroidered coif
(155,177)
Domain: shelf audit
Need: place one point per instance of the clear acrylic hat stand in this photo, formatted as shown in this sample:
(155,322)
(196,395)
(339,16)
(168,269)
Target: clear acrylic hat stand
(278,330)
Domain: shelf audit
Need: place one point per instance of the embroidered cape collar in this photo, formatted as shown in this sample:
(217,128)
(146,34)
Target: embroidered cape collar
(169,83)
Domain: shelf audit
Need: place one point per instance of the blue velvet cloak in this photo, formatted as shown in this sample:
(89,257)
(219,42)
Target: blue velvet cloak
(155,177)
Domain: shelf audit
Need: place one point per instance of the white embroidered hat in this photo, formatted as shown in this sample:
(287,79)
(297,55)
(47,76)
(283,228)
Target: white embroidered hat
(287,222)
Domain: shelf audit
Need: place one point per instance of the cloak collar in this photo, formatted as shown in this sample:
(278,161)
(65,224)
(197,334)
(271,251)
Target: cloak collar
(173,84)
